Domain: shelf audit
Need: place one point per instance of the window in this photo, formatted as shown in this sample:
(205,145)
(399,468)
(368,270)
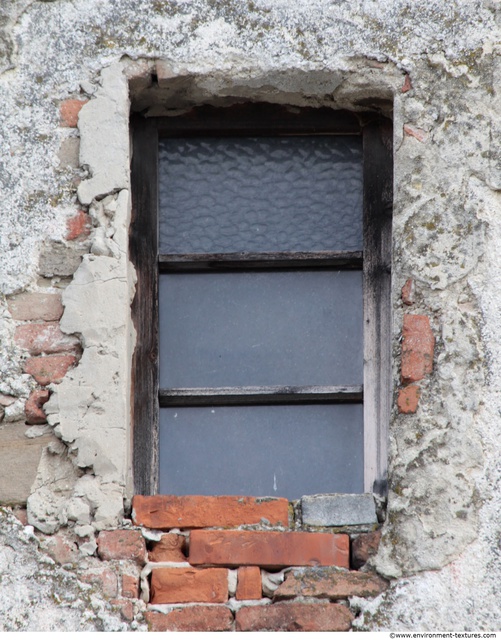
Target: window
(261,236)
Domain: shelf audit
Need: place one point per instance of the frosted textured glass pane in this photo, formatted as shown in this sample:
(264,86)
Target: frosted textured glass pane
(222,195)
(284,451)
(261,328)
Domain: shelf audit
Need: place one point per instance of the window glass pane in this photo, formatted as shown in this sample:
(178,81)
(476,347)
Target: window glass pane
(286,451)
(301,193)
(261,328)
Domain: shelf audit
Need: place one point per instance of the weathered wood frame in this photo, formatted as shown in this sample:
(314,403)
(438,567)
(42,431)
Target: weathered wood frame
(376,260)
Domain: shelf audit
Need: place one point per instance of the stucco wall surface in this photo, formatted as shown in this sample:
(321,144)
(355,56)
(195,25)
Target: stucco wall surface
(438,63)
(38,595)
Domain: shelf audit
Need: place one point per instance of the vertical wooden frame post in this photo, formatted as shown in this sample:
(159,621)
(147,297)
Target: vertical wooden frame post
(378,203)
(143,246)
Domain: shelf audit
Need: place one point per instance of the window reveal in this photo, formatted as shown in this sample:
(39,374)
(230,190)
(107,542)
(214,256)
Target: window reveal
(261,316)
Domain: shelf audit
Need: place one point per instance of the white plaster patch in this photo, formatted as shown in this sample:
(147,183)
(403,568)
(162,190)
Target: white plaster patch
(104,137)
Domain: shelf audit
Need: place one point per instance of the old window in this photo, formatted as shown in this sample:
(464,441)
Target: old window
(261,237)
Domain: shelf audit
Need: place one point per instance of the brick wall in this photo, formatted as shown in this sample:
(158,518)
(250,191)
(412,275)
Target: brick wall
(232,564)
(50,353)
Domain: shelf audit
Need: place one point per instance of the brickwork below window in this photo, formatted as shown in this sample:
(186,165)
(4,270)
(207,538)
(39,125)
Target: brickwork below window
(235,564)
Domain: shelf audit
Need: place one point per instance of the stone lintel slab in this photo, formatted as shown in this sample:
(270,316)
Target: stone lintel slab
(338,509)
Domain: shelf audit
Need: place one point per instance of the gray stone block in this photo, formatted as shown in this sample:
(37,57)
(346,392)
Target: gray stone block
(56,259)
(19,459)
(338,509)
(69,153)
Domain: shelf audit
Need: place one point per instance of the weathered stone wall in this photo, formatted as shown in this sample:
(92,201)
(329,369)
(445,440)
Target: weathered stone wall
(65,207)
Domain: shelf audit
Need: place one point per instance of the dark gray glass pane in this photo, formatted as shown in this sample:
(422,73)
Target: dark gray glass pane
(286,451)
(261,328)
(301,193)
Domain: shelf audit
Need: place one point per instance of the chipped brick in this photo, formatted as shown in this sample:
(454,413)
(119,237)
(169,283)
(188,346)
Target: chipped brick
(418,344)
(196,618)
(407,86)
(105,579)
(121,545)
(125,607)
(68,112)
(78,226)
(49,369)
(36,306)
(44,338)
(190,512)
(408,399)
(33,407)
(249,586)
(168,549)
(130,586)
(294,616)
(268,549)
(183,585)
(416,132)
(408,292)
(331,583)
(363,547)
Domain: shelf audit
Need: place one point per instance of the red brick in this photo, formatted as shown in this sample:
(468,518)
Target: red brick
(49,369)
(79,225)
(193,512)
(417,348)
(268,549)
(104,579)
(130,586)
(294,616)
(69,111)
(36,306)
(416,132)
(6,401)
(331,583)
(61,549)
(407,86)
(408,292)
(33,407)
(249,586)
(196,618)
(121,545)
(363,547)
(125,607)
(169,549)
(44,338)
(180,585)
(21,514)
(408,399)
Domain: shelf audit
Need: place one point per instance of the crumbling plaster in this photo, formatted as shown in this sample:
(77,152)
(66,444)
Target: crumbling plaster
(442,533)
(40,595)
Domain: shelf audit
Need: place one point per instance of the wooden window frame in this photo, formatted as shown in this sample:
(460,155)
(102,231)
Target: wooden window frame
(262,120)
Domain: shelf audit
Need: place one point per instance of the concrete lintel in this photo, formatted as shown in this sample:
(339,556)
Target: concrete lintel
(338,509)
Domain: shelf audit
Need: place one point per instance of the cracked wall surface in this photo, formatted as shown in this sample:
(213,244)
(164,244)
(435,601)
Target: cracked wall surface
(438,64)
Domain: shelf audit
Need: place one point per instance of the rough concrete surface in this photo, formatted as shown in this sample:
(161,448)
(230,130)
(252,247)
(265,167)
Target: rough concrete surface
(434,67)
(36,594)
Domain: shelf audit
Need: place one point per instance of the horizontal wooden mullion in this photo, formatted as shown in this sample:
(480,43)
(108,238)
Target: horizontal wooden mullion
(241,260)
(259,119)
(215,396)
